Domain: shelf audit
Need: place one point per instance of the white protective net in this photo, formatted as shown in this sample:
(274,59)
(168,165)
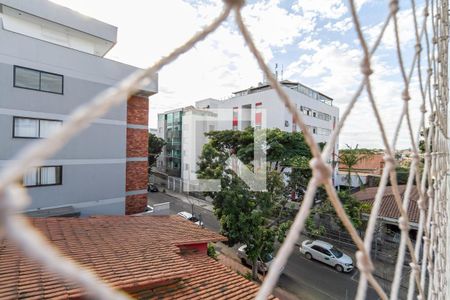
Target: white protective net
(427,279)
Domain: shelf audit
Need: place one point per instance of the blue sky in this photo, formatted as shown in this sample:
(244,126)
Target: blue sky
(314,40)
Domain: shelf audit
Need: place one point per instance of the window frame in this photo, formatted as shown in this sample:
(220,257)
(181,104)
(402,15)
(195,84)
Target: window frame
(30,118)
(59,179)
(15,67)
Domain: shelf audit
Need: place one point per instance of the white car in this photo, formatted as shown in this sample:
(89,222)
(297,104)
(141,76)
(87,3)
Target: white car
(190,217)
(328,254)
(263,266)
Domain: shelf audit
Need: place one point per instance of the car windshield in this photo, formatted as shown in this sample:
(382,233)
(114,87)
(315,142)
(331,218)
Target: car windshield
(336,252)
(267,258)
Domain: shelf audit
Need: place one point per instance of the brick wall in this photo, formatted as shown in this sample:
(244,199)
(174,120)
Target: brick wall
(137,175)
(135,204)
(137,110)
(137,155)
(137,142)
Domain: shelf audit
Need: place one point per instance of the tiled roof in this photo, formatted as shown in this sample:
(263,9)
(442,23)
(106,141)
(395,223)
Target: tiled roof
(388,208)
(370,164)
(210,280)
(125,251)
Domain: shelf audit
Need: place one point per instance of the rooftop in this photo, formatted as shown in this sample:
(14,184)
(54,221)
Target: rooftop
(289,84)
(45,20)
(137,254)
(388,208)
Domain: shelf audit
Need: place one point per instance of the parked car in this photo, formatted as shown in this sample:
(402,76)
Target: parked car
(328,254)
(152,188)
(263,266)
(190,217)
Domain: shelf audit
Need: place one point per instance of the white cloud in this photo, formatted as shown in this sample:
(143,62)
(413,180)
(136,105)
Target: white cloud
(340,26)
(405,26)
(222,63)
(328,9)
(309,44)
(274,27)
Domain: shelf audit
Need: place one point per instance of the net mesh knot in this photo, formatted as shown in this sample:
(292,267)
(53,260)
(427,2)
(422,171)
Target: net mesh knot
(235,3)
(393,6)
(321,171)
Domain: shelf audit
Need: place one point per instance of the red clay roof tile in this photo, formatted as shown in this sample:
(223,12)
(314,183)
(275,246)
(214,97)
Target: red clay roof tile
(132,253)
(388,208)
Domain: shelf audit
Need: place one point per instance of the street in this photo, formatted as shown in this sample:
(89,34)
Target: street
(304,278)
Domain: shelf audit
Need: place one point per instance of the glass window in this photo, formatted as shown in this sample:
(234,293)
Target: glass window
(258,115)
(30,178)
(26,127)
(317,248)
(51,83)
(34,128)
(235,118)
(336,252)
(47,127)
(38,80)
(26,78)
(48,175)
(170,118)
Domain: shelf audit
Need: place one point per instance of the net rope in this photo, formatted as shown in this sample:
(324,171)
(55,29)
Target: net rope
(428,276)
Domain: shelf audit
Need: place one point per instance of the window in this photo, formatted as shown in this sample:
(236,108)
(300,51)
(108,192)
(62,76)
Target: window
(38,80)
(336,252)
(42,176)
(258,115)
(235,118)
(33,128)
(317,248)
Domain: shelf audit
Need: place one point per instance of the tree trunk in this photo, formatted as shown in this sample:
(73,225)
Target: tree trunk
(254,270)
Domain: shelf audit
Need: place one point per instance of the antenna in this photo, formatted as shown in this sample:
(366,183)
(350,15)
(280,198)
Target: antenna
(282,67)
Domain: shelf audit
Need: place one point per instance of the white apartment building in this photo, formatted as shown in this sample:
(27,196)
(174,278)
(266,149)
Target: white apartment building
(257,107)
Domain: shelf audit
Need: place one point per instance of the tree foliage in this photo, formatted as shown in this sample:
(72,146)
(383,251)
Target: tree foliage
(155,145)
(352,206)
(350,157)
(257,219)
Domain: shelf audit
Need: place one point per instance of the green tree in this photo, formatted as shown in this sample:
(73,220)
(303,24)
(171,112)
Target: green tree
(257,219)
(352,206)
(155,145)
(350,157)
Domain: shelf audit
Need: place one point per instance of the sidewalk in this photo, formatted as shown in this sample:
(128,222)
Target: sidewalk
(191,200)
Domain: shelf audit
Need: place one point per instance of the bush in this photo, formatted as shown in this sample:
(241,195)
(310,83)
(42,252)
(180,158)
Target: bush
(312,229)
(212,251)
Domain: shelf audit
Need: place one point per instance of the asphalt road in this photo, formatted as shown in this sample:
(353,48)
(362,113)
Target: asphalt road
(309,280)
(208,218)
(314,280)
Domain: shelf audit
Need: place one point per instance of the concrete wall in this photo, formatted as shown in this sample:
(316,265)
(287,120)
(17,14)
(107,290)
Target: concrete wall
(94,162)
(65,16)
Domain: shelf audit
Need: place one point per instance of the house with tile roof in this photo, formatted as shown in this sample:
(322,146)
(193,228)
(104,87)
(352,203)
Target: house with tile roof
(148,257)
(388,214)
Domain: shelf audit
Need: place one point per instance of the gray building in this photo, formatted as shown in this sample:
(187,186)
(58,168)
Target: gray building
(52,61)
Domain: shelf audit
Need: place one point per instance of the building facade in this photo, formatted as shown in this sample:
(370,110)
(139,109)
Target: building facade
(51,61)
(258,107)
